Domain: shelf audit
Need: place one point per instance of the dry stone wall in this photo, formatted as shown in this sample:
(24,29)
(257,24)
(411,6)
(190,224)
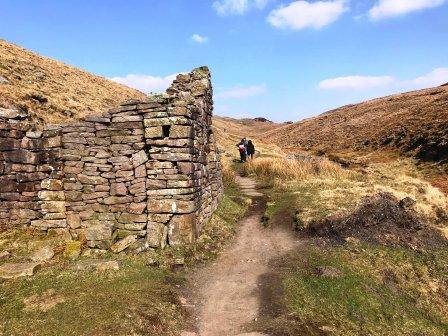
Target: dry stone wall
(145,174)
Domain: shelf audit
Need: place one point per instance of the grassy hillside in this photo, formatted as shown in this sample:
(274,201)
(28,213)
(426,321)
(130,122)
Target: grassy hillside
(414,123)
(52,91)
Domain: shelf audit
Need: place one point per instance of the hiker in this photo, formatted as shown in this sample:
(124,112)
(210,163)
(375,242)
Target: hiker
(242,149)
(250,149)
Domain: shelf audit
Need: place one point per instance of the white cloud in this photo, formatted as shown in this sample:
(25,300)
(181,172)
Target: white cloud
(390,8)
(146,83)
(237,7)
(436,77)
(355,82)
(302,14)
(199,38)
(242,92)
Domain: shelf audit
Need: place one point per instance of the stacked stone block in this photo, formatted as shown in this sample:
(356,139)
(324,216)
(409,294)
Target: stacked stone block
(147,169)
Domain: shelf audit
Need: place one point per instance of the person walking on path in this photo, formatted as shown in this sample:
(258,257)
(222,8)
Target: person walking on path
(242,149)
(250,149)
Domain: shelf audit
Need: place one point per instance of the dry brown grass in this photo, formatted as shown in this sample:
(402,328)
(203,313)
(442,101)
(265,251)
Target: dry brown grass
(289,169)
(415,123)
(61,92)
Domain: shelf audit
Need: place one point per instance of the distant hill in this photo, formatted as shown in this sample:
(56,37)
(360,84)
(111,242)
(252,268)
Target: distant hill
(52,91)
(413,123)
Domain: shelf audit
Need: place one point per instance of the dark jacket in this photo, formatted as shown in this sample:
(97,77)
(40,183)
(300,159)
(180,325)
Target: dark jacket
(250,148)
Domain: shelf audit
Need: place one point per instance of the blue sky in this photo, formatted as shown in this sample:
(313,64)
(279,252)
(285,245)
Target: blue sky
(281,59)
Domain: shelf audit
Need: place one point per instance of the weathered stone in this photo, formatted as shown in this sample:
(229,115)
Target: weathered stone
(12,113)
(178,131)
(118,200)
(123,244)
(99,232)
(170,206)
(132,218)
(133,226)
(85,179)
(44,224)
(139,158)
(154,234)
(43,254)
(137,208)
(73,196)
(74,220)
(154,132)
(173,191)
(118,189)
(55,215)
(138,188)
(56,206)
(12,271)
(182,229)
(99,265)
(22,156)
(124,173)
(51,184)
(160,218)
(48,195)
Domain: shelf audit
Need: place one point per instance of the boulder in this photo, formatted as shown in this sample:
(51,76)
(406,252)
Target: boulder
(17,270)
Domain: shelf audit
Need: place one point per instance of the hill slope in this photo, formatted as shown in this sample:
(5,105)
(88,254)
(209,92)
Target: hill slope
(52,91)
(414,123)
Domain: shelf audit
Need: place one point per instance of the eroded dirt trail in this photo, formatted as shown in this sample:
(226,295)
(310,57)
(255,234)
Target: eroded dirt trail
(230,288)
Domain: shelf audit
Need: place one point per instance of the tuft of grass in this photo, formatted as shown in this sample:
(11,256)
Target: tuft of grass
(289,169)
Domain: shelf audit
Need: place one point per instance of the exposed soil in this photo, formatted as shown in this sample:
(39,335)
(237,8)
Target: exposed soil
(382,219)
(233,291)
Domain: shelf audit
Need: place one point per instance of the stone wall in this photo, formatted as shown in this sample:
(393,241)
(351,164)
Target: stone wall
(147,172)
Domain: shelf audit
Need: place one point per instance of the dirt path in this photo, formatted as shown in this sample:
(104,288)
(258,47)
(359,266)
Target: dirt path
(230,289)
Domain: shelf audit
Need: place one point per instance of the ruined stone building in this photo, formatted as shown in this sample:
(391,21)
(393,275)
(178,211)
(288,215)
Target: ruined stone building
(148,169)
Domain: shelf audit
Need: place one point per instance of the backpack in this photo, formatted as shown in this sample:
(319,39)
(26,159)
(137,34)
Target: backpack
(241,148)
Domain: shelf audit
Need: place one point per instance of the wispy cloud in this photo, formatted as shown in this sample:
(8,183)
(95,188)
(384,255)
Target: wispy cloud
(237,7)
(242,91)
(436,77)
(355,82)
(199,38)
(303,14)
(390,8)
(146,83)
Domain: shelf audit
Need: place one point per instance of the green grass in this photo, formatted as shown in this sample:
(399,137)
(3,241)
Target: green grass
(360,302)
(135,298)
